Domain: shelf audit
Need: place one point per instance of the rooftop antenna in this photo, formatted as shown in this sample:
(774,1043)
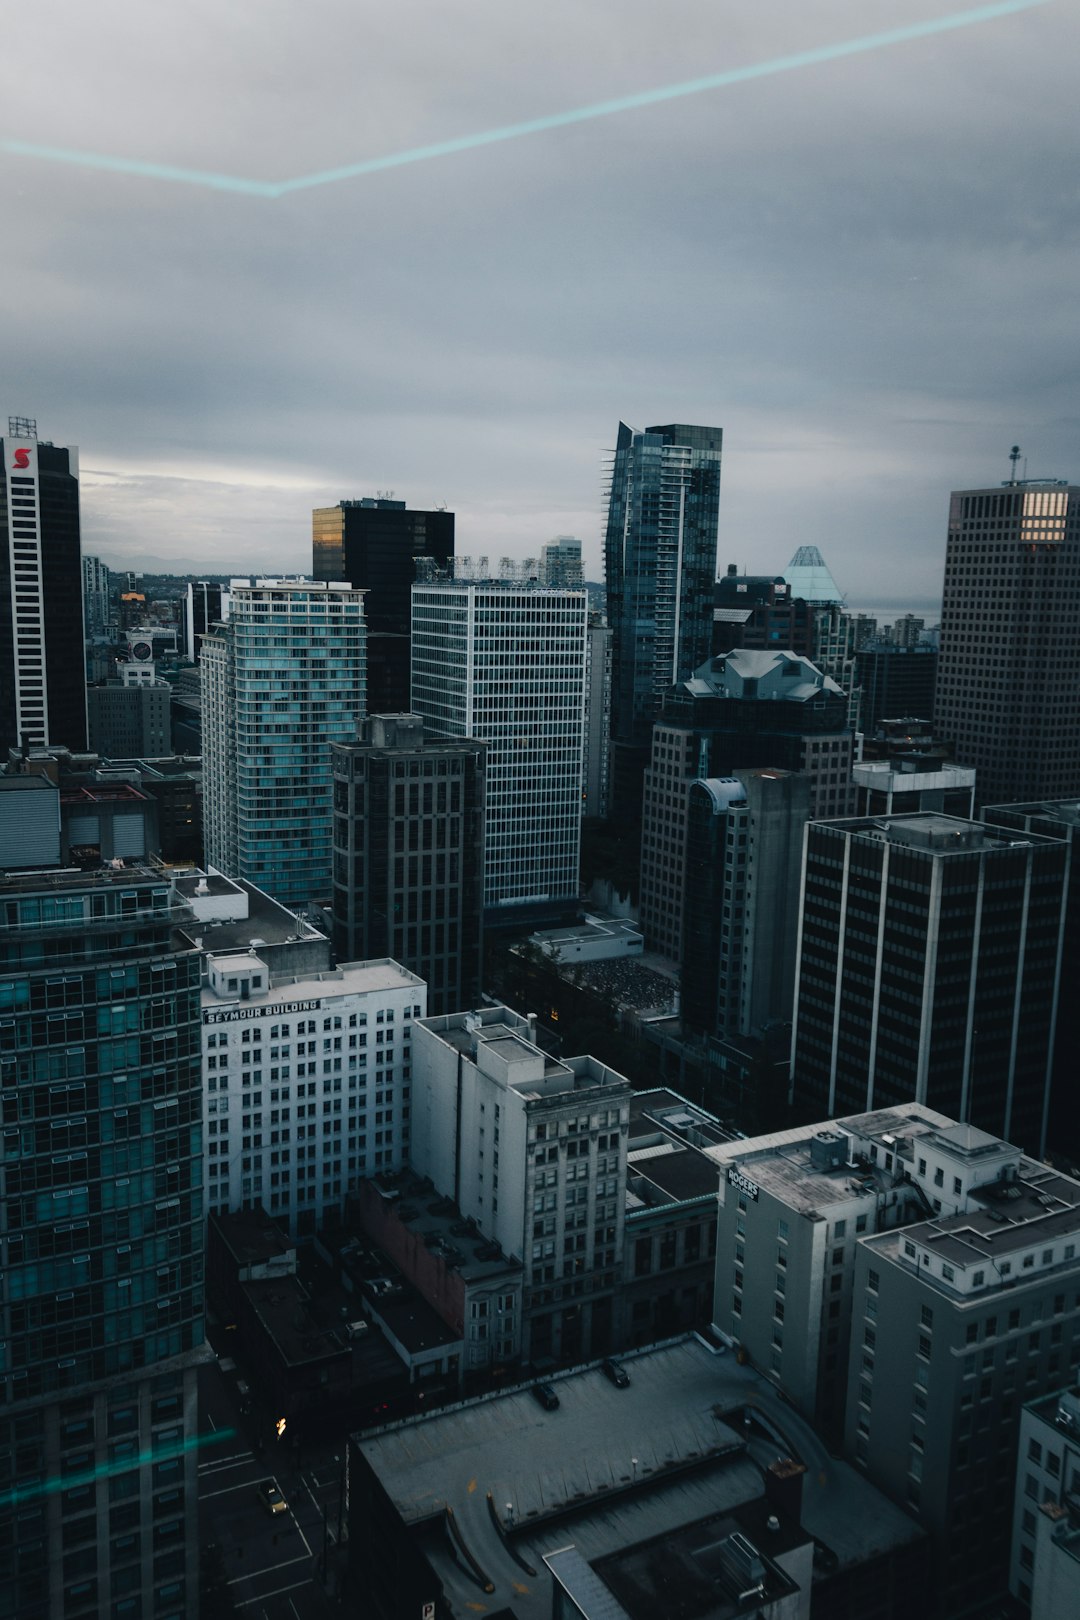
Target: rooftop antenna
(1014,457)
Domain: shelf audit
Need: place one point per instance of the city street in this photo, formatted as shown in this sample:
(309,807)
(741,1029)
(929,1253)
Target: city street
(273,1561)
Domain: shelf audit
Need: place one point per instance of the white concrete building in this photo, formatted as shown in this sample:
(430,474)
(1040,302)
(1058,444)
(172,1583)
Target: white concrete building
(306,1082)
(505,663)
(533,1151)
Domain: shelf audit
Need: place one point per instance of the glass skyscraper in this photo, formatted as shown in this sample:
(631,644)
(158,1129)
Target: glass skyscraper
(659,568)
(284,678)
(1008,692)
(101,1247)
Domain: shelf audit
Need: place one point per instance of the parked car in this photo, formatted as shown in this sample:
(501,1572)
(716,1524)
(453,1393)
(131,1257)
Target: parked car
(616,1372)
(546,1395)
(271,1498)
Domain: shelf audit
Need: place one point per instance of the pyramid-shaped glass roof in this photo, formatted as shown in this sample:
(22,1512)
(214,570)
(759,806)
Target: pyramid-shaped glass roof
(809,578)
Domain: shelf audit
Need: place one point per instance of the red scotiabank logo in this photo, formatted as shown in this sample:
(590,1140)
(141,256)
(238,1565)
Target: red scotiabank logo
(22,458)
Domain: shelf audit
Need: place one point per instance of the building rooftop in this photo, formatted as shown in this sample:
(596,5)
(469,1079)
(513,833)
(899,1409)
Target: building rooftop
(1009,1215)
(284,1309)
(51,879)
(442,1227)
(666,1161)
(351,978)
(251,1236)
(763,674)
(252,921)
(416,1325)
(931,832)
(506,1038)
(811,1167)
(613,1469)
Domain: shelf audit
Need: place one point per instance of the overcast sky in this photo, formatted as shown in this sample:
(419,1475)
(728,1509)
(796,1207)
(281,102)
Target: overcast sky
(865,271)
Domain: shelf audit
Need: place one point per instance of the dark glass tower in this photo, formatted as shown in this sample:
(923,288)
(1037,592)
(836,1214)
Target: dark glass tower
(409,855)
(659,569)
(928,971)
(42,667)
(1008,681)
(373,545)
(101,1247)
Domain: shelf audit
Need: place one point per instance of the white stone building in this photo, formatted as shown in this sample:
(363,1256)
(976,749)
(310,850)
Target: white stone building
(532,1150)
(307,1082)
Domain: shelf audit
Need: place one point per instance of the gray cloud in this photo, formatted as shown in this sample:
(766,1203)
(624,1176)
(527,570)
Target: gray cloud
(863,271)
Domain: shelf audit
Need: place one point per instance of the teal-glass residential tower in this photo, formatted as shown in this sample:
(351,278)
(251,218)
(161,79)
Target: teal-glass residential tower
(659,569)
(281,680)
(101,1247)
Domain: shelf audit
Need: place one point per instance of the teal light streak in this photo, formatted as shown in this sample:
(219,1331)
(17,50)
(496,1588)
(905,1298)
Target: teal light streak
(123,1465)
(531,126)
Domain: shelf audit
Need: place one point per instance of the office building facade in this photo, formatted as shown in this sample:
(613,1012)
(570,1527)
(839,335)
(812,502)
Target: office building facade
(97,604)
(130,717)
(794,1204)
(560,563)
(928,971)
(42,675)
(746,709)
(897,682)
(955,1320)
(281,680)
(744,838)
(659,566)
(100,1247)
(597,718)
(1046,1504)
(409,855)
(1058,819)
(1007,701)
(307,1080)
(206,603)
(533,1151)
(374,544)
(505,664)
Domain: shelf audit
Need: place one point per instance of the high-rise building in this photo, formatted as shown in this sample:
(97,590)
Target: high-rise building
(373,544)
(281,680)
(101,1247)
(560,563)
(533,1152)
(42,674)
(505,664)
(96,597)
(747,709)
(659,567)
(206,603)
(1059,819)
(954,1320)
(928,971)
(409,855)
(597,718)
(1008,694)
(744,838)
(897,682)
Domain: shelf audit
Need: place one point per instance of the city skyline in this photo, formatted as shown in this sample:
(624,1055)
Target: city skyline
(480,323)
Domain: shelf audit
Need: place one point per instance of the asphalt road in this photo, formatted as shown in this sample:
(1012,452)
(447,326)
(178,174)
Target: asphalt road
(273,1562)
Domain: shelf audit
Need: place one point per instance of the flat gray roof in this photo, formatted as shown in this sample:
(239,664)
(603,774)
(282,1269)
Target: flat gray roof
(612,1468)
